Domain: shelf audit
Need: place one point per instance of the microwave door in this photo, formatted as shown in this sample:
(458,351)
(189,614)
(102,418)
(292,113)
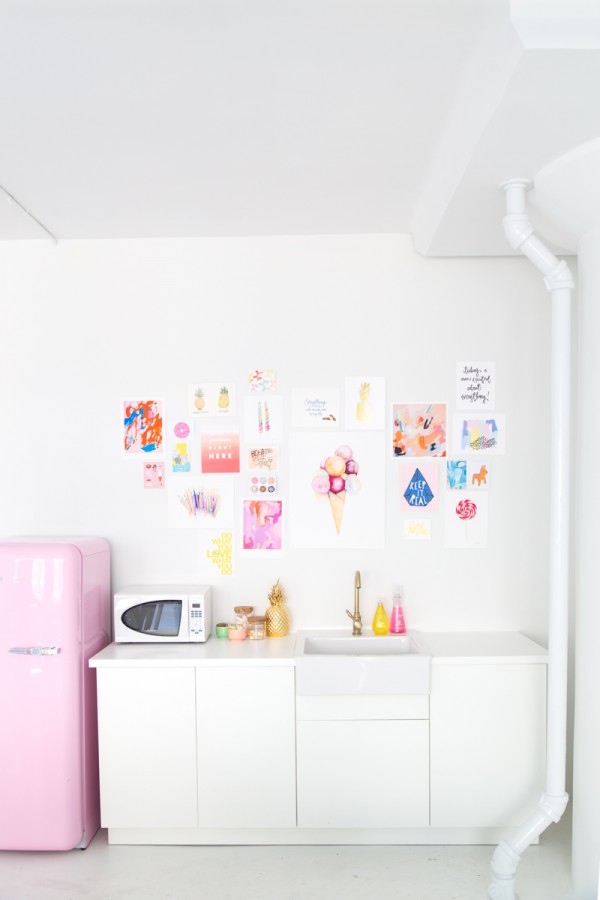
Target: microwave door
(161,618)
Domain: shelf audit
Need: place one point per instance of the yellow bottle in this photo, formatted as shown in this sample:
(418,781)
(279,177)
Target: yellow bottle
(381,623)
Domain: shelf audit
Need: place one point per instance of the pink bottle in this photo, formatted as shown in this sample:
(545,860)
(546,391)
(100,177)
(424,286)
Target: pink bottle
(397,623)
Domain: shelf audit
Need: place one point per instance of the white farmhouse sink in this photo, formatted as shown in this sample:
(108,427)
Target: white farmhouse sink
(337,662)
(359,645)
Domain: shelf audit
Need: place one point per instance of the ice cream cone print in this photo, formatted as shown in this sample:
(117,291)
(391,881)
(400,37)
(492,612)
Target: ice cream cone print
(336,501)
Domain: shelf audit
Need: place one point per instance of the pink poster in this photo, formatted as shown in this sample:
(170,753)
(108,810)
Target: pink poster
(220,453)
(154,475)
(263,525)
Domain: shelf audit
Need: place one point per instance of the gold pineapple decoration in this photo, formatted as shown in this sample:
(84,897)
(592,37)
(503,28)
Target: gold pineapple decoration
(362,407)
(277,615)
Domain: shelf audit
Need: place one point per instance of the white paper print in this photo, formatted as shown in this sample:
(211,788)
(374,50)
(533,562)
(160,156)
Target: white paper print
(479,434)
(417,529)
(315,408)
(262,380)
(364,402)
(475,385)
(466,519)
(337,496)
(182,430)
(216,554)
(262,484)
(263,418)
(200,501)
(211,398)
(478,474)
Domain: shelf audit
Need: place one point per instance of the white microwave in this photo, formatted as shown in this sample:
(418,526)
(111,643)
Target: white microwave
(162,613)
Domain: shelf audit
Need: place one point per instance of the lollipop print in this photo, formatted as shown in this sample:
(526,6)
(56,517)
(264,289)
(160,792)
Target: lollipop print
(466,510)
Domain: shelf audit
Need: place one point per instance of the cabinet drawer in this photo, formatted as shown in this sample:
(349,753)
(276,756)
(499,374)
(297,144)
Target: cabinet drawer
(372,774)
(347,707)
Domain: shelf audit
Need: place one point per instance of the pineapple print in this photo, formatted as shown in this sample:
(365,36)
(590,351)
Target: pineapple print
(199,398)
(223,398)
(362,407)
(277,615)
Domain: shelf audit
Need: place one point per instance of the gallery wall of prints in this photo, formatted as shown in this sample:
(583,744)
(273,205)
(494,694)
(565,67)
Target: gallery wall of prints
(220,466)
(234,411)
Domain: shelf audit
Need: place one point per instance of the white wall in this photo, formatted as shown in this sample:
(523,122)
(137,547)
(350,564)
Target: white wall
(87,323)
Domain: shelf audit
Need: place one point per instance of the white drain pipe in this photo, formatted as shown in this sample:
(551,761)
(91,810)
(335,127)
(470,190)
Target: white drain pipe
(559,281)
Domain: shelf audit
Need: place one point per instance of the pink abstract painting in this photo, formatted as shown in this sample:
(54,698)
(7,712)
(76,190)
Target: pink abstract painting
(263,525)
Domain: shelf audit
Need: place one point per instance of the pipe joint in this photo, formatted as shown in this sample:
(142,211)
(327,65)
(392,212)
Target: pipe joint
(517,229)
(559,277)
(504,866)
(554,806)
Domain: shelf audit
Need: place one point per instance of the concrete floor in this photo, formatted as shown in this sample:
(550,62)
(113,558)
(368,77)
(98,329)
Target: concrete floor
(104,872)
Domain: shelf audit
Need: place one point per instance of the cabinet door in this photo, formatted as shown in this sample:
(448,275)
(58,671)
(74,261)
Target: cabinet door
(246,747)
(147,736)
(363,774)
(487,743)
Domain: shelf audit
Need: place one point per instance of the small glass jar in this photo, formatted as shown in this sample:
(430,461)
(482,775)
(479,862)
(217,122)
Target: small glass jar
(241,615)
(257,628)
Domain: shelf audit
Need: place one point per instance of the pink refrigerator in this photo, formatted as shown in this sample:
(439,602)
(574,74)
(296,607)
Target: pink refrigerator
(54,615)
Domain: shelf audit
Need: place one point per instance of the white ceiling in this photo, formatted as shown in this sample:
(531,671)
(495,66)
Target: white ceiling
(172,118)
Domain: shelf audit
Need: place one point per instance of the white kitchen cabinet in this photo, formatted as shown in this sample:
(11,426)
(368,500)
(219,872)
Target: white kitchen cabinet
(487,743)
(362,762)
(246,747)
(147,739)
(196,747)
(209,744)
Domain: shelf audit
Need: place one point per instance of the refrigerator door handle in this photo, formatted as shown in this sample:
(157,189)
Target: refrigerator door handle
(35,651)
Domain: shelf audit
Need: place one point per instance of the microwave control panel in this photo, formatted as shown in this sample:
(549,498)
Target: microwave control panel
(196,623)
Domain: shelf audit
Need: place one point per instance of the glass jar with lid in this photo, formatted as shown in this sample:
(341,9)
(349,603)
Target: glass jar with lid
(257,628)
(241,615)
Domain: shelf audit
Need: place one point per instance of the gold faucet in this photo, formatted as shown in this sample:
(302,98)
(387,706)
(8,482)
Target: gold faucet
(355,616)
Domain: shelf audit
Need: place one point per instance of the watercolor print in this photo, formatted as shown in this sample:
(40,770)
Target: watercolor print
(261,381)
(180,458)
(142,427)
(475,385)
(212,398)
(200,502)
(365,402)
(154,475)
(419,429)
(479,434)
(478,474)
(419,486)
(220,452)
(263,418)
(466,520)
(456,472)
(216,553)
(337,489)
(262,527)
(263,459)
(417,529)
(315,408)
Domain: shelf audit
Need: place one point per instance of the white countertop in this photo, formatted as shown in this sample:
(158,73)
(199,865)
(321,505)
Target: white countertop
(477,647)
(461,647)
(214,652)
